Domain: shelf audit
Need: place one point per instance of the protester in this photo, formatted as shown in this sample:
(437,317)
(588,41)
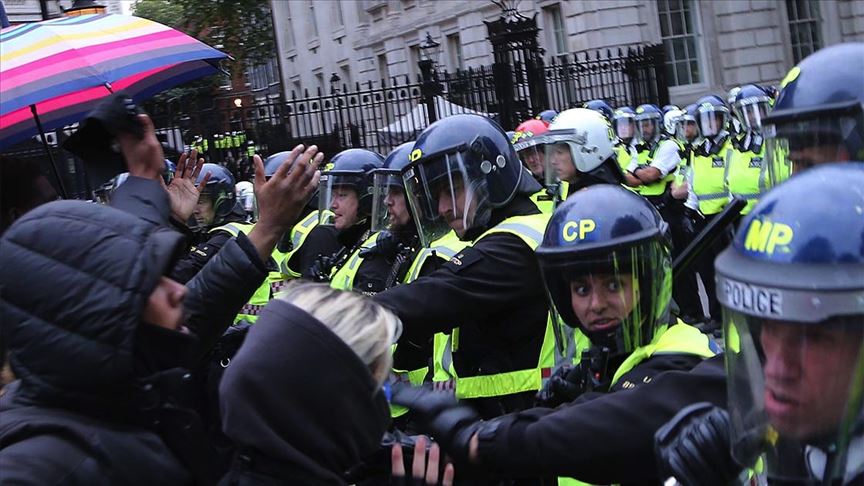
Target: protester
(288,428)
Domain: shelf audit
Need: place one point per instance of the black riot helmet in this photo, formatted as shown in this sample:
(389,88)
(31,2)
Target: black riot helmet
(389,190)
(818,116)
(608,243)
(792,289)
(348,170)
(219,191)
(462,167)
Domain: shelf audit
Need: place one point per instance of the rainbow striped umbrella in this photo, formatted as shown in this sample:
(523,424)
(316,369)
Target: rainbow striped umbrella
(57,70)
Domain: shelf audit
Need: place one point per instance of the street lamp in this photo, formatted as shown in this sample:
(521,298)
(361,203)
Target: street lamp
(334,89)
(238,102)
(430,50)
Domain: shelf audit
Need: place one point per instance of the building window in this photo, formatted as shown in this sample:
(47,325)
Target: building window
(383,72)
(295,89)
(313,23)
(289,34)
(555,23)
(678,31)
(345,74)
(338,16)
(454,50)
(319,82)
(804,20)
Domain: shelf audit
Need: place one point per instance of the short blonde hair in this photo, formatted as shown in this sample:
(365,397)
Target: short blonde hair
(366,327)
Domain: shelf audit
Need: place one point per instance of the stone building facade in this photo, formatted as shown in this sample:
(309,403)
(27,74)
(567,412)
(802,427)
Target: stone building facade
(711,45)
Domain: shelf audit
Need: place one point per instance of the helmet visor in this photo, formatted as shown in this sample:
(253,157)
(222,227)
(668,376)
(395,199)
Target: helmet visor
(625,127)
(686,129)
(616,298)
(649,128)
(532,153)
(712,121)
(389,204)
(795,393)
(797,145)
(445,195)
(568,155)
(751,112)
(338,200)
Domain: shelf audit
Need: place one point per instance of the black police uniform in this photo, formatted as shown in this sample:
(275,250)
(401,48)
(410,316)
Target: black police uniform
(494,293)
(600,438)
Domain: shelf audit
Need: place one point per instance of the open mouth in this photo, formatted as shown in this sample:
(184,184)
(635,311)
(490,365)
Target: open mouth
(603,324)
(778,403)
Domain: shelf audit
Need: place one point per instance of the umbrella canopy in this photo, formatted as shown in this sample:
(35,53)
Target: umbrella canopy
(65,66)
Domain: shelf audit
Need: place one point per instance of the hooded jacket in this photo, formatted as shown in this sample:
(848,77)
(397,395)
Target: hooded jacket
(102,397)
(298,402)
(76,278)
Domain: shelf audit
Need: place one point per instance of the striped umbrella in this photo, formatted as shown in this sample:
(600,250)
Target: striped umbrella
(57,70)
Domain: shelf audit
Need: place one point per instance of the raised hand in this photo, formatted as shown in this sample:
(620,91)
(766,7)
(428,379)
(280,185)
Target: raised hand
(182,190)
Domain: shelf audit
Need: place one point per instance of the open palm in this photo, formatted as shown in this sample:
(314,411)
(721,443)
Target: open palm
(182,190)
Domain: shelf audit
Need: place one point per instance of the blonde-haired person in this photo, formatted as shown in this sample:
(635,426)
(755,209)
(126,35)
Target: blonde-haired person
(303,399)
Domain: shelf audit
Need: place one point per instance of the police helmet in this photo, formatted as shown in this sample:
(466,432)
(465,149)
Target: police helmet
(686,128)
(751,105)
(350,168)
(547,115)
(386,180)
(529,145)
(600,106)
(219,190)
(580,149)
(792,290)
(624,123)
(272,164)
(819,113)
(466,155)
(609,240)
(649,115)
(712,116)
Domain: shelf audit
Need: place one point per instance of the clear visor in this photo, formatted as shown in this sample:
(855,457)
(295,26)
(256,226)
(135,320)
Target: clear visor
(711,121)
(751,112)
(795,392)
(566,158)
(686,130)
(796,146)
(625,127)
(389,205)
(338,201)
(532,153)
(445,195)
(610,297)
(649,128)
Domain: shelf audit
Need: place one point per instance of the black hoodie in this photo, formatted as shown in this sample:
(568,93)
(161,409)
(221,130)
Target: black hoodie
(298,402)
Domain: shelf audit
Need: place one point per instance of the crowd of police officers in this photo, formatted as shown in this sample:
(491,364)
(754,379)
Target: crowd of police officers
(547,336)
(532,272)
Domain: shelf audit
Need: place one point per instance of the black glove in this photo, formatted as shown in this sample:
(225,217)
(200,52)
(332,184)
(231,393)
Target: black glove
(321,268)
(385,244)
(439,414)
(694,447)
(564,386)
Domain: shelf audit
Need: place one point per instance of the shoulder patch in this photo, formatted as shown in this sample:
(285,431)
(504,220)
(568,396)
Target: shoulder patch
(464,259)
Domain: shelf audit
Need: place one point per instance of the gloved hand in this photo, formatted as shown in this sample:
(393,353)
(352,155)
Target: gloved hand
(564,386)
(385,244)
(439,414)
(694,447)
(321,268)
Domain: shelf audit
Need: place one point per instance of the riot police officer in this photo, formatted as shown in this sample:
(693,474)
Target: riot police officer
(624,125)
(345,203)
(580,150)
(465,177)
(656,162)
(819,114)
(792,291)
(746,174)
(383,259)
(600,106)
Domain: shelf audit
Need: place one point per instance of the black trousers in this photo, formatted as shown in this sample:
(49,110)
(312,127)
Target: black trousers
(705,266)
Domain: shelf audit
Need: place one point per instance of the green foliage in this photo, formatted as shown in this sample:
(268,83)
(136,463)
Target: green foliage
(240,28)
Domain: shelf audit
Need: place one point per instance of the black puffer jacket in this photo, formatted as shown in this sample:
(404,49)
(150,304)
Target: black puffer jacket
(101,397)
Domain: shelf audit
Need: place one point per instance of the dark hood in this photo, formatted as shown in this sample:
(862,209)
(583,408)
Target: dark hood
(298,395)
(75,279)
